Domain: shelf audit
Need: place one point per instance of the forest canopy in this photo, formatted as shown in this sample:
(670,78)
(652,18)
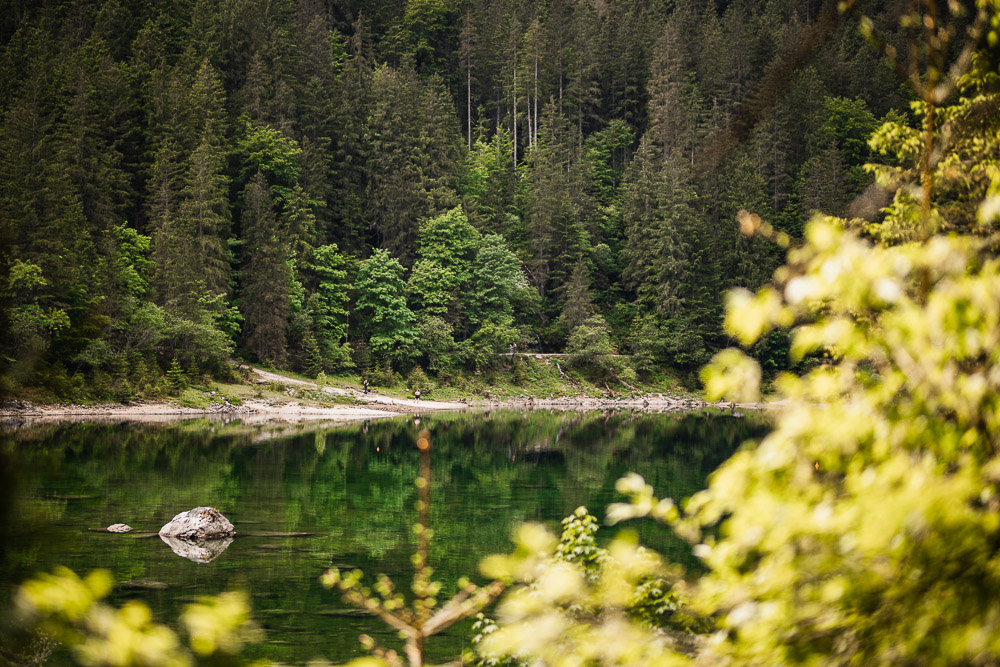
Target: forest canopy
(377,186)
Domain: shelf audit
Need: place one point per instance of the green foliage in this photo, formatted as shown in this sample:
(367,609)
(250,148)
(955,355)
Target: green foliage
(963,176)
(24,276)
(498,282)
(387,322)
(176,377)
(131,261)
(424,33)
(448,240)
(324,274)
(578,301)
(415,155)
(263,149)
(30,323)
(606,154)
(848,125)
(435,344)
(590,347)
(442,275)
(72,611)
(492,338)
(417,380)
(432,289)
(882,460)
(488,184)
(578,542)
(264,301)
(312,361)
(571,598)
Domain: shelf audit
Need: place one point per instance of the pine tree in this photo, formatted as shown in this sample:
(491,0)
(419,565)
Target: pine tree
(415,155)
(578,303)
(264,298)
(556,202)
(203,215)
(170,244)
(351,105)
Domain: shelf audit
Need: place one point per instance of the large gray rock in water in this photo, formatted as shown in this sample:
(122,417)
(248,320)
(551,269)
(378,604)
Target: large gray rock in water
(201,523)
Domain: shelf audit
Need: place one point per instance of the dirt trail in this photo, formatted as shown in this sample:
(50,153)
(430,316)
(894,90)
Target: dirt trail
(372,398)
(370,406)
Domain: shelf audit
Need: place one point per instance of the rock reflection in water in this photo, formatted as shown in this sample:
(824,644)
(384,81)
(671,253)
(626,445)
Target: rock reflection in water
(200,551)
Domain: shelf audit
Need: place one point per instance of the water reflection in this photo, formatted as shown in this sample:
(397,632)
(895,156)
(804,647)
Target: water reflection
(203,551)
(306,497)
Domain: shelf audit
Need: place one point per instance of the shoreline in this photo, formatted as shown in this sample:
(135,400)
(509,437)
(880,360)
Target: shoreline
(366,406)
(17,413)
(165,411)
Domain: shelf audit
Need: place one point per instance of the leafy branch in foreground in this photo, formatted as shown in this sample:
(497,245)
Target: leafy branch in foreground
(67,609)
(419,621)
(864,528)
(577,603)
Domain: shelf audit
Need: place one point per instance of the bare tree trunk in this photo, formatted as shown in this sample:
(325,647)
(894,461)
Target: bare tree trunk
(514,120)
(560,85)
(468,98)
(536,97)
(528,95)
(468,76)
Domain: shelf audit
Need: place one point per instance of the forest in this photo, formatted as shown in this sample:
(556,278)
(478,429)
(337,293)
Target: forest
(804,187)
(377,186)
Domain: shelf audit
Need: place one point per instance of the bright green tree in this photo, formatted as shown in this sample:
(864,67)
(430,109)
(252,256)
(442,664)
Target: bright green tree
(442,274)
(498,281)
(488,185)
(384,318)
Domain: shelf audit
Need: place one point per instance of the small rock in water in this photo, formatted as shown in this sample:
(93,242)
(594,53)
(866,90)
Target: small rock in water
(200,523)
(119,528)
(147,584)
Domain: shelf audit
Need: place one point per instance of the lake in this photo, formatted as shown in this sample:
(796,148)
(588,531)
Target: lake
(348,487)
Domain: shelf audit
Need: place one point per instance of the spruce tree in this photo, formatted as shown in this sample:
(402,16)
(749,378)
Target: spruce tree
(265,274)
(203,216)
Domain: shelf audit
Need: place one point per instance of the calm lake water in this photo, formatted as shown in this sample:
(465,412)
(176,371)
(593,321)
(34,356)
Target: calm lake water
(350,487)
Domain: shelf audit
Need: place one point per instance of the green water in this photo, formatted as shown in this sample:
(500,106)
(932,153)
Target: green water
(349,487)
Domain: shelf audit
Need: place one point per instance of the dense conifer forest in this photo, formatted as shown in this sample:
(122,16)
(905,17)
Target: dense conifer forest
(376,186)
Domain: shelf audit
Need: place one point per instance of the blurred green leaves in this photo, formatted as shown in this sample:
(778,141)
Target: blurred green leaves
(72,611)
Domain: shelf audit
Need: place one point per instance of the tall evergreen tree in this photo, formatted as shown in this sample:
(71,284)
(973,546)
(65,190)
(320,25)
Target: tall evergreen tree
(266,277)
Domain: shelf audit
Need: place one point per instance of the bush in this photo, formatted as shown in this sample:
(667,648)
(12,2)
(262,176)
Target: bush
(590,348)
(418,381)
(492,338)
(436,346)
(384,377)
(176,379)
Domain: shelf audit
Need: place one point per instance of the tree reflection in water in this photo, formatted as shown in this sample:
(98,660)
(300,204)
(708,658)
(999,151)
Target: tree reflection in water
(308,497)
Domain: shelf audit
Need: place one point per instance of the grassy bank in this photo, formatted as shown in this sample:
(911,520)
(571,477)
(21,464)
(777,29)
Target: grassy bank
(520,377)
